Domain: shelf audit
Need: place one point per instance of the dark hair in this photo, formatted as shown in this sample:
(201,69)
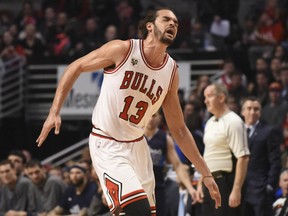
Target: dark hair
(18,153)
(5,162)
(33,163)
(250,98)
(150,17)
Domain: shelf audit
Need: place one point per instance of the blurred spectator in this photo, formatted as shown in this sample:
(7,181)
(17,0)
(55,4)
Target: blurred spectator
(132,31)
(106,12)
(98,206)
(88,41)
(188,109)
(66,176)
(126,17)
(47,190)
(220,29)
(280,52)
(197,39)
(33,47)
(27,154)
(275,67)
(78,196)
(237,89)
(202,82)
(261,87)
(226,74)
(14,193)
(55,171)
(194,122)
(275,111)
(19,160)
(280,205)
(111,33)
(9,48)
(261,65)
(5,21)
(246,38)
(162,150)
(92,37)
(27,15)
(47,26)
(63,39)
(268,33)
(234,104)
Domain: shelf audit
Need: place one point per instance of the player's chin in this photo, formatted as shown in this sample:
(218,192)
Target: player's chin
(167,40)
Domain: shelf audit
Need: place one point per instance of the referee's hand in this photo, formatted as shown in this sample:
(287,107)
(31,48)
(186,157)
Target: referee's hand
(53,120)
(213,190)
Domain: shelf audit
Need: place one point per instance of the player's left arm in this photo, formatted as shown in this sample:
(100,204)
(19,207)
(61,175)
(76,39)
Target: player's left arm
(175,121)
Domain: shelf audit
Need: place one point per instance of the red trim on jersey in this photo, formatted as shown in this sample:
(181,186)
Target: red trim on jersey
(133,200)
(153,210)
(122,62)
(141,45)
(140,196)
(173,75)
(111,138)
(132,193)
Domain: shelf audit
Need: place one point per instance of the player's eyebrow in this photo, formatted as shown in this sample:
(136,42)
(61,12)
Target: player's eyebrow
(170,18)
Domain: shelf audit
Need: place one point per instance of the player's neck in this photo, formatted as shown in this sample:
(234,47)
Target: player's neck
(154,51)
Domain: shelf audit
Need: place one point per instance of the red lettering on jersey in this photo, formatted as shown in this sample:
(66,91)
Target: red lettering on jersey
(158,94)
(134,80)
(143,89)
(137,81)
(149,93)
(127,79)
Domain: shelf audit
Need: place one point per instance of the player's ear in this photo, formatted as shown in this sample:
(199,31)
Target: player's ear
(149,26)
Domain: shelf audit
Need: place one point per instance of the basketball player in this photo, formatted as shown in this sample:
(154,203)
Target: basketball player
(139,77)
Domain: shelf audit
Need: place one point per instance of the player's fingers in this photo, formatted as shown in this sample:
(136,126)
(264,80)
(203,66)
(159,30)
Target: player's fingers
(57,128)
(43,135)
(41,138)
(217,196)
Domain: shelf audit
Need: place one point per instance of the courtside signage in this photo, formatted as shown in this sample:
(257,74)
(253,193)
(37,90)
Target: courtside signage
(83,95)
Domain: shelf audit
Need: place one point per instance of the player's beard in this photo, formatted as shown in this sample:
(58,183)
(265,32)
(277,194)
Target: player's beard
(161,36)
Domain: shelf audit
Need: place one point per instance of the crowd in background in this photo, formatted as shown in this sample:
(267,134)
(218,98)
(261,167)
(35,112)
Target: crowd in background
(59,32)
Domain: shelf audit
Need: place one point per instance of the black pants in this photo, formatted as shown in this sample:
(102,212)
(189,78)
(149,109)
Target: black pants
(225,185)
(263,207)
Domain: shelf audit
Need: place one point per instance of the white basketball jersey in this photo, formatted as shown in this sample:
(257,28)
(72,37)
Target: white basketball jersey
(131,93)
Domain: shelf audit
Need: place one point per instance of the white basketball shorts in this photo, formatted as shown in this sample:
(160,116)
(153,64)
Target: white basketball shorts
(125,170)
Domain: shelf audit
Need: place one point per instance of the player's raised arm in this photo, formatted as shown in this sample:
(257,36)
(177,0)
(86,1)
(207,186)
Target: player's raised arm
(110,54)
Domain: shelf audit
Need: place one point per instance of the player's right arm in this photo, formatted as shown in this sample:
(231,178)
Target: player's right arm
(111,53)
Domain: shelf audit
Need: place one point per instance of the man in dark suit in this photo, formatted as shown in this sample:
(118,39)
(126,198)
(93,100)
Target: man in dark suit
(264,165)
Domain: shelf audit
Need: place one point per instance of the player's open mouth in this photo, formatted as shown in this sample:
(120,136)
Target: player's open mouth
(170,32)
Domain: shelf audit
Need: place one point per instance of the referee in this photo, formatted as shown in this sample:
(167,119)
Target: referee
(226,153)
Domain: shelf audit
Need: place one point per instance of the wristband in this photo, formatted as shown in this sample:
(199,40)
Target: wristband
(208,176)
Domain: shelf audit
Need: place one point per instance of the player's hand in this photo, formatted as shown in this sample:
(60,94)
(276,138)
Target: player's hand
(53,120)
(213,190)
